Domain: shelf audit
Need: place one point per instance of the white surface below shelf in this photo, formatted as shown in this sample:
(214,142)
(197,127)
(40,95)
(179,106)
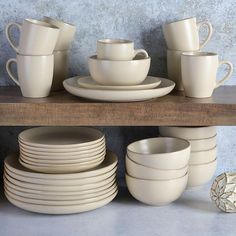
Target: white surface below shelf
(193,214)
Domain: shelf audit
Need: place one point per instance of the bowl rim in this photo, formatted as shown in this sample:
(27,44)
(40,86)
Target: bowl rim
(207,150)
(157,169)
(159,180)
(204,164)
(94,58)
(162,154)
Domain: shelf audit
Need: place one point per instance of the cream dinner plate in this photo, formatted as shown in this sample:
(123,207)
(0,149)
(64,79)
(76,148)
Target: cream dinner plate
(88,82)
(110,161)
(61,181)
(70,209)
(59,202)
(58,188)
(58,197)
(61,137)
(60,193)
(71,85)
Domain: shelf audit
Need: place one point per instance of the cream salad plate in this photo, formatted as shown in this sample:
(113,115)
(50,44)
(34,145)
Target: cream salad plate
(149,83)
(72,86)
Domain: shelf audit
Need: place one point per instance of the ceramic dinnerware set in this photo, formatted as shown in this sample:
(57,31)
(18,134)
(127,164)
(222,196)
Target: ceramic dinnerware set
(118,73)
(192,70)
(203,158)
(42,55)
(61,170)
(157,169)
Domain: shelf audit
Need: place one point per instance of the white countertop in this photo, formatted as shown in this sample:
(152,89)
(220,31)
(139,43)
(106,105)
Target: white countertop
(193,214)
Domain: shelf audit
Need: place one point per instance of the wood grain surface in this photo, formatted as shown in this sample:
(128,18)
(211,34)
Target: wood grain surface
(63,109)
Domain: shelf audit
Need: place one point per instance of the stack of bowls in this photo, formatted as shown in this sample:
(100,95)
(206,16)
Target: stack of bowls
(60,193)
(114,64)
(202,163)
(157,169)
(61,149)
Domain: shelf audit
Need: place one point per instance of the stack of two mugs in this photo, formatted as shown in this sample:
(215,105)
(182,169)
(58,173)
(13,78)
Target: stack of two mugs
(192,70)
(42,55)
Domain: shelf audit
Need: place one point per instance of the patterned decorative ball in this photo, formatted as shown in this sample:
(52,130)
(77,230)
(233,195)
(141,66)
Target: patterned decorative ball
(223,192)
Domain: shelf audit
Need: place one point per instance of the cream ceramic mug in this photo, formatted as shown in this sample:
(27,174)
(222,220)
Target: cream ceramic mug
(66,35)
(183,35)
(199,70)
(36,37)
(35,74)
(117,50)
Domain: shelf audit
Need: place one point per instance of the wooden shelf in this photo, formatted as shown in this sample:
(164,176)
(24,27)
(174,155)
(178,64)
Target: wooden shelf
(61,108)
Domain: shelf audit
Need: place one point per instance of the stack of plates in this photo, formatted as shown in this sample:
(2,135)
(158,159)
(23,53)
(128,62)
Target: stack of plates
(61,149)
(60,193)
(86,87)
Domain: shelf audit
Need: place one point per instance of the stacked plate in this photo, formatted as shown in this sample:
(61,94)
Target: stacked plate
(61,149)
(60,193)
(202,162)
(86,87)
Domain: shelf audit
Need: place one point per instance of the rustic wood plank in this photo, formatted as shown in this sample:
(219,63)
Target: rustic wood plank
(61,108)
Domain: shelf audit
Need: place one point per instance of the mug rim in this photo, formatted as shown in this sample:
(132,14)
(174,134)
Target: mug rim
(178,21)
(58,21)
(41,23)
(199,54)
(34,56)
(111,41)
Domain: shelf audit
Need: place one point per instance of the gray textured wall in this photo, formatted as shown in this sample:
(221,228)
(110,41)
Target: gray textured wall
(139,20)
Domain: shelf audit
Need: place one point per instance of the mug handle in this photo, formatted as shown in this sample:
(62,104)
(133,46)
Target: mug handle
(9,71)
(141,51)
(8,34)
(228,75)
(210,31)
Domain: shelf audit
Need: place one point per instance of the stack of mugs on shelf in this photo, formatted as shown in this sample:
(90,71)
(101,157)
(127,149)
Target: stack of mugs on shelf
(157,169)
(42,55)
(192,70)
(203,161)
(61,170)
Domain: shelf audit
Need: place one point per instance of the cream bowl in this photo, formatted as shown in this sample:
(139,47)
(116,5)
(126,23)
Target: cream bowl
(108,72)
(203,144)
(202,157)
(188,132)
(143,172)
(161,153)
(201,174)
(156,192)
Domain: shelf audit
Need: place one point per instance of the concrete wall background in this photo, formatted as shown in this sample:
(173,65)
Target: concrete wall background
(139,20)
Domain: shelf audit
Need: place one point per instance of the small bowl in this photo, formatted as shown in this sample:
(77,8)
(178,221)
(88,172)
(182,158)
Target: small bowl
(201,174)
(143,172)
(161,153)
(202,157)
(203,144)
(188,132)
(156,192)
(108,72)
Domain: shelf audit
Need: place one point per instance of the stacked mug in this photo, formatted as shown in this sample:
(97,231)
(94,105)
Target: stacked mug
(203,157)
(117,63)
(34,60)
(61,51)
(192,70)
(39,42)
